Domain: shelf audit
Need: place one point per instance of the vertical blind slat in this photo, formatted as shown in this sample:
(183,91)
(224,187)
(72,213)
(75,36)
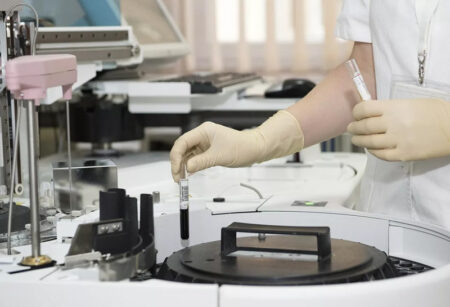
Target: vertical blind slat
(188,26)
(216,54)
(243,60)
(271,50)
(330,46)
(300,55)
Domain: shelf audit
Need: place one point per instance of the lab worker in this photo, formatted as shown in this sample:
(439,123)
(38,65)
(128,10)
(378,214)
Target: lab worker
(403,50)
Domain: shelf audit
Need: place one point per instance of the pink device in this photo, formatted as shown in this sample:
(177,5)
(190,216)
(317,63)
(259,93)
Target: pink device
(29,77)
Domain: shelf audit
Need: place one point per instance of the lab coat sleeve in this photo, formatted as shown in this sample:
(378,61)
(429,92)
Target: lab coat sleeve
(353,22)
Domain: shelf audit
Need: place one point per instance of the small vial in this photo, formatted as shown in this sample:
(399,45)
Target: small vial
(184,206)
(358,79)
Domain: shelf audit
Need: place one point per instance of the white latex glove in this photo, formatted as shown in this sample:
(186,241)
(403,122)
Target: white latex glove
(402,130)
(215,145)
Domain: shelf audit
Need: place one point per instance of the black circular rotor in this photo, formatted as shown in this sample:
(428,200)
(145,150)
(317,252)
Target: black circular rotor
(256,261)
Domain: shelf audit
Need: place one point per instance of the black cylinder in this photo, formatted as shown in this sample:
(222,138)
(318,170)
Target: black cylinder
(121,192)
(131,219)
(111,205)
(147,226)
(99,120)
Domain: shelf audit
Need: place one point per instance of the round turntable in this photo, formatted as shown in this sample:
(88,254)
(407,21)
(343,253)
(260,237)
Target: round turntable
(278,255)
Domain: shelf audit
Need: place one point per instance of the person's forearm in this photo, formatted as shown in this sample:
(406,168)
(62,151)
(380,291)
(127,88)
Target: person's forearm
(327,110)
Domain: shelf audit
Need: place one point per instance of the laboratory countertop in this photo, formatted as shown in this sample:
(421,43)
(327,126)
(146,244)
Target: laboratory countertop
(328,176)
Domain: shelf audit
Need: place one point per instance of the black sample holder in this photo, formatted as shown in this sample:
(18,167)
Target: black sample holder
(118,232)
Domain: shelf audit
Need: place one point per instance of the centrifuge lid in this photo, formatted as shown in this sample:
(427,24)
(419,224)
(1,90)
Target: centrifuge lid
(289,256)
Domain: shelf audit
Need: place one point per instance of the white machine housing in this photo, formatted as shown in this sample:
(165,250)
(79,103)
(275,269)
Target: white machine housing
(334,183)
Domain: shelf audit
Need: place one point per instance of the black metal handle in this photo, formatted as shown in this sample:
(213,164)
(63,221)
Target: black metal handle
(228,243)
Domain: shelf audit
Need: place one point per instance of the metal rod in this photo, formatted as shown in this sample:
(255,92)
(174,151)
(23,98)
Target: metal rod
(13,9)
(13,174)
(32,163)
(69,154)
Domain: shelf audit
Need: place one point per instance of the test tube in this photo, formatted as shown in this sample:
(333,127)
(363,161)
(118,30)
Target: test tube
(184,204)
(358,79)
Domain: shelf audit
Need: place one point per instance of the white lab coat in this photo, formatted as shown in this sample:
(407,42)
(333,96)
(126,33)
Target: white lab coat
(418,190)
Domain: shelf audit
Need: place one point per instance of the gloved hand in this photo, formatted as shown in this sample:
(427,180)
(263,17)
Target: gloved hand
(402,130)
(215,145)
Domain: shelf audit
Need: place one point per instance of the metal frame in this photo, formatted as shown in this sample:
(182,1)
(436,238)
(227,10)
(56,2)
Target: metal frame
(109,47)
